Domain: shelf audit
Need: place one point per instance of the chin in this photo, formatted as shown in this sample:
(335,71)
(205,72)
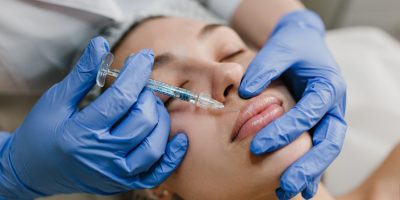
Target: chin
(274,164)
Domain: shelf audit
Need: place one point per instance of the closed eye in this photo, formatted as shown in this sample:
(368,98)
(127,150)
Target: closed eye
(171,99)
(232,55)
(168,102)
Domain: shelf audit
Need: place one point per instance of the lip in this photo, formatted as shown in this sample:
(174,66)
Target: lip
(256,114)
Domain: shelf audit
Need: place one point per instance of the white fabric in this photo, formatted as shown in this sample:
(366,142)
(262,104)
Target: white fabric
(107,8)
(223,8)
(370,62)
(143,9)
(39,39)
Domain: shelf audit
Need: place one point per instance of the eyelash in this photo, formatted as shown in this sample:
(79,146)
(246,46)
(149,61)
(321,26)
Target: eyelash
(171,99)
(232,55)
(168,101)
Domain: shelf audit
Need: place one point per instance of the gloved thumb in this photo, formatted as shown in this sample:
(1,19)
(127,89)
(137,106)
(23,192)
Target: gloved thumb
(269,63)
(83,76)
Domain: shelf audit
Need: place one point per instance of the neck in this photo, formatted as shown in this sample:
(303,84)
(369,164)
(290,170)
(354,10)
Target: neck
(322,194)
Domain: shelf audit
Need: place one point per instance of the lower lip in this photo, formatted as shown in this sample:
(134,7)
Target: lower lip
(259,121)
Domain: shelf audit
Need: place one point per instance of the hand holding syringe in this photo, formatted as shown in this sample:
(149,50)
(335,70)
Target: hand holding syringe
(199,99)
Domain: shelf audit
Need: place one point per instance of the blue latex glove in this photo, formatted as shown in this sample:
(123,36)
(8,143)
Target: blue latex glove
(117,143)
(296,50)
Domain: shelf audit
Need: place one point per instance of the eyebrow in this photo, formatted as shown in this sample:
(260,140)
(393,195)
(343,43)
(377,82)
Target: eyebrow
(208,29)
(163,59)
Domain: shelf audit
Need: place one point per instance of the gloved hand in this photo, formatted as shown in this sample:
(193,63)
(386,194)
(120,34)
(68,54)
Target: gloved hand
(296,50)
(117,143)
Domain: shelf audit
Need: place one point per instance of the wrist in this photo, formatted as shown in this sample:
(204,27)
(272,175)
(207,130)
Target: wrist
(11,186)
(255,19)
(303,18)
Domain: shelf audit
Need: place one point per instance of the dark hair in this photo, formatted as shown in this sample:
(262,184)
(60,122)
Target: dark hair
(132,28)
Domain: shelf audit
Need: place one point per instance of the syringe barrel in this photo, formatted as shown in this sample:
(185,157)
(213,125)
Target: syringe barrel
(201,100)
(205,101)
(171,91)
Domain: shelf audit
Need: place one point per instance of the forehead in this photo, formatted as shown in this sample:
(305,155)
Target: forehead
(162,34)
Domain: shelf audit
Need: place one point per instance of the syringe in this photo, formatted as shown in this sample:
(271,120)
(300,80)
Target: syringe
(199,99)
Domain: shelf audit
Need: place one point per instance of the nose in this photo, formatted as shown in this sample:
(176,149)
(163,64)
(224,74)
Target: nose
(226,80)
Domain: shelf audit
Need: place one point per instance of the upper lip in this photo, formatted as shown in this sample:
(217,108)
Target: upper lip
(253,107)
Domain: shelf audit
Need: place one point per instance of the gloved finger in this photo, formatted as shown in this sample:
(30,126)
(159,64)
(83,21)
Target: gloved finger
(269,63)
(139,122)
(152,147)
(82,77)
(302,117)
(174,154)
(305,171)
(331,130)
(332,127)
(120,96)
(311,189)
(283,195)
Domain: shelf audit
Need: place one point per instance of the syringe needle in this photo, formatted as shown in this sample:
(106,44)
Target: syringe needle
(200,100)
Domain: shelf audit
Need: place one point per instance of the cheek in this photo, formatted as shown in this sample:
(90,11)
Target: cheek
(205,157)
(287,155)
(206,140)
(201,130)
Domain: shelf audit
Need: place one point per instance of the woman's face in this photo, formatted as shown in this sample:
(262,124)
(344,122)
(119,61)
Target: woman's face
(212,59)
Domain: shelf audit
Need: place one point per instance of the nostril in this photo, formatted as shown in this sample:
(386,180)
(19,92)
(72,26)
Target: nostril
(227,90)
